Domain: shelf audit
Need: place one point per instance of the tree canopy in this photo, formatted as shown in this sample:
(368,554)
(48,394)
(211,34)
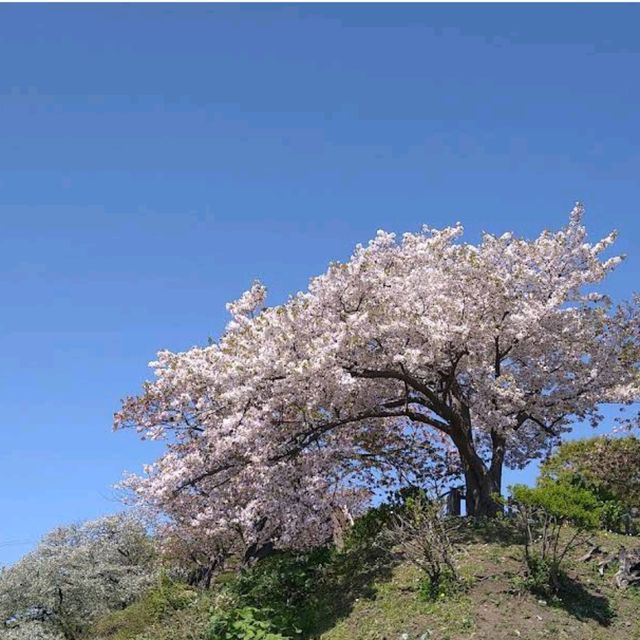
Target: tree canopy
(419,355)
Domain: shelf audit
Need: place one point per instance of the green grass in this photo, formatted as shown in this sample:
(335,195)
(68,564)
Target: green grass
(364,595)
(588,608)
(164,601)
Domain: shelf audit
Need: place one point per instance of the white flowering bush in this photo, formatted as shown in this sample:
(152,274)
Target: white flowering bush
(74,575)
(31,630)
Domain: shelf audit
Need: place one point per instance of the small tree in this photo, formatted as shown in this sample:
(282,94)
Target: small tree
(423,535)
(544,513)
(76,574)
(610,467)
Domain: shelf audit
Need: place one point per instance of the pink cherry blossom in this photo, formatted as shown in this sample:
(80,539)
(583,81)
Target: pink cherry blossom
(418,354)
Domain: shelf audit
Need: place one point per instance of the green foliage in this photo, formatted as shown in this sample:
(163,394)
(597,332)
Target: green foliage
(246,623)
(376,520)
(539,578)
(342,595)
(160,601)
(296,593)
(562,500)
(543,512)
(286,585)
(615,517)
(610,466)
(445,585)
(368,526)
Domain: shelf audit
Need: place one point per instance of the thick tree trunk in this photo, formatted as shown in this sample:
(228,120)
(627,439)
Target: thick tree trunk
(483,485)
(481,493)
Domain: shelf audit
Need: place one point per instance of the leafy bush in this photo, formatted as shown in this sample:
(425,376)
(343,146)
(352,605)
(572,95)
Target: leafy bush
(293,592)
(152,607)
(286,585)
(446,585)
(543,513)
(368,526)
(539,577)
(246,623)
(376,520)
(610,468)
(615,516)
(289,594)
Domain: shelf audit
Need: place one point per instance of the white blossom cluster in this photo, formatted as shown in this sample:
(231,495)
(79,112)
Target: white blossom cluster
(31,630)
(74,575)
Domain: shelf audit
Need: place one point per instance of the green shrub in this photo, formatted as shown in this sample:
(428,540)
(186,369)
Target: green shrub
(445,585)
(367,528)
(544,513)
(158,602)
(540,578)
(609,468)
(561,501)
(246,623)
(286,585)
(615,517)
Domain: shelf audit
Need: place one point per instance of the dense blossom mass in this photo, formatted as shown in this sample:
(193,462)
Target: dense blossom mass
(74,575)
(419,356)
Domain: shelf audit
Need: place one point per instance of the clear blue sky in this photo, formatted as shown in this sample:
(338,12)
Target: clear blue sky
(154,159)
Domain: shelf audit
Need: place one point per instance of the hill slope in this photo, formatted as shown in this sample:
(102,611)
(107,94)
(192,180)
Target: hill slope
(381,601)
(495,607)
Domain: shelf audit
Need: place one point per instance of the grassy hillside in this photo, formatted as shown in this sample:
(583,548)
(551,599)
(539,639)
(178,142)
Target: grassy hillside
(375,595)
(495,606)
